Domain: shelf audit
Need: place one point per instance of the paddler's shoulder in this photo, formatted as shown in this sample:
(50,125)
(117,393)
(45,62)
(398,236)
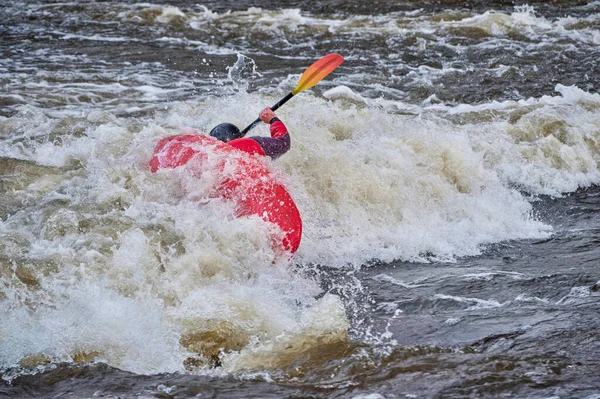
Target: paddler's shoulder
(247,145)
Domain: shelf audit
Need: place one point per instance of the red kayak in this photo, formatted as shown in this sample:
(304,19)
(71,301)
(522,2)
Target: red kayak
(243,179)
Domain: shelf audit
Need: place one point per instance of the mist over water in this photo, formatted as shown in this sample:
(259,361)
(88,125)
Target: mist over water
(446,173)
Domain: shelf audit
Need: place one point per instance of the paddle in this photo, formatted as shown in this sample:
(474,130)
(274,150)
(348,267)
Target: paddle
(313,75)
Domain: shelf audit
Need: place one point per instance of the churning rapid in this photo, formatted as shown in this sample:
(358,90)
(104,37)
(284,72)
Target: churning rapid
(446,175)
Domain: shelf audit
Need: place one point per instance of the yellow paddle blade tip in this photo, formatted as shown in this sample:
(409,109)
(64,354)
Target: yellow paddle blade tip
(318,71)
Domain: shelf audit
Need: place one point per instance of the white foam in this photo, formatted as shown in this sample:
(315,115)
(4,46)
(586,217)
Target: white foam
(369,396)
(524,21)
(477,302)
(144,273)
(126,332)
(159,261)
(169,14)
(343,92)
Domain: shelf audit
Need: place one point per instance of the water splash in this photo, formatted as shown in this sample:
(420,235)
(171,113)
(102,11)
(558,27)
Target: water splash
(242,71)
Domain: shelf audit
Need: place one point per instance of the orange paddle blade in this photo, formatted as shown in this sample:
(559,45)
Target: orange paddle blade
(317,71)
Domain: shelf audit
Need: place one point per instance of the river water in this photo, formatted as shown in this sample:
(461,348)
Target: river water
(447,175)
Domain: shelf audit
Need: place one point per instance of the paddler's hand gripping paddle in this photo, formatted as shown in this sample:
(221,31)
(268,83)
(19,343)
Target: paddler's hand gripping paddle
(313,75)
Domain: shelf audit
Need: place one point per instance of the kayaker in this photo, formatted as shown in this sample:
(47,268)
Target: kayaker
(273,147)
(245,181)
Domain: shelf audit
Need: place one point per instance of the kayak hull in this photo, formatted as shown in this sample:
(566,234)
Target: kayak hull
(242,178)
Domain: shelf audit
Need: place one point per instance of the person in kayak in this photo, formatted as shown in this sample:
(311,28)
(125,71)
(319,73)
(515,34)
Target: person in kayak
(245,181)
(273,147)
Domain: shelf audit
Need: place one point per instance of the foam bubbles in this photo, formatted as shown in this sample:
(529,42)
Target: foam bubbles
(148,273)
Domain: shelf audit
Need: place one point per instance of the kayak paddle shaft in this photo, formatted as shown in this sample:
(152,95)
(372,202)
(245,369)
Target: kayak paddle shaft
(274,107)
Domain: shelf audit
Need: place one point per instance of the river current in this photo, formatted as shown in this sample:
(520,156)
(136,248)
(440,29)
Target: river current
(447,176)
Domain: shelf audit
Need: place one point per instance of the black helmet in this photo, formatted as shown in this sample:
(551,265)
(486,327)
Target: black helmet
(226,132)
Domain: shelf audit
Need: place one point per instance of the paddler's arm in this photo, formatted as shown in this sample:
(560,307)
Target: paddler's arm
(279,143)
